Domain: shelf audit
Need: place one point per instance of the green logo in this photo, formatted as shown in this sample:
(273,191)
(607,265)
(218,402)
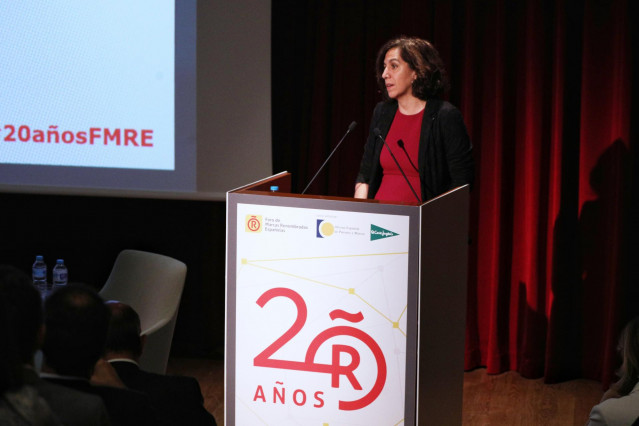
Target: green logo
(377,233)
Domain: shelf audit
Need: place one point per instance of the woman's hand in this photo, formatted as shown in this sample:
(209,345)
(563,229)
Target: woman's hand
(361,190)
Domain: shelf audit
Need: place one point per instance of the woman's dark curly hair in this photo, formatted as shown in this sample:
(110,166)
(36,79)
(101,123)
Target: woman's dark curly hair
(422,58)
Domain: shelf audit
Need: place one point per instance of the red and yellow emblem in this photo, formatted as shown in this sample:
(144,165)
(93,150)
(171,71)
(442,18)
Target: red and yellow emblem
(253,223)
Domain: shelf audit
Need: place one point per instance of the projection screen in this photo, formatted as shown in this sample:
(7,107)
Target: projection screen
(160,98)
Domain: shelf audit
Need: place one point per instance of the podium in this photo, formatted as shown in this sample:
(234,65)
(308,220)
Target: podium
(342,311)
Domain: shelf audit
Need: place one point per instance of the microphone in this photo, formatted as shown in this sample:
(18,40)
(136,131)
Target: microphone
(350,129)
(378,135)
(400,143)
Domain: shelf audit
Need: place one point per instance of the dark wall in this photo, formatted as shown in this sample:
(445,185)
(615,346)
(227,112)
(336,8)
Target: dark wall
(89,232)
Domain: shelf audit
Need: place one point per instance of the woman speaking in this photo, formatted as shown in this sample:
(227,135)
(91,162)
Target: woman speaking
(425,134)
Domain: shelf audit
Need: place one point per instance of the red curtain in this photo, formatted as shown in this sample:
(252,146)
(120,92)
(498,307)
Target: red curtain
(546,90)
(554,151)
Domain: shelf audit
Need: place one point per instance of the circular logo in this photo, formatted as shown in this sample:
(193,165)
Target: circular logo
(253,224)
(327,229)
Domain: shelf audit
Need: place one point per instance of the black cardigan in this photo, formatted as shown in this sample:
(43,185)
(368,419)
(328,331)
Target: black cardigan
(445,150)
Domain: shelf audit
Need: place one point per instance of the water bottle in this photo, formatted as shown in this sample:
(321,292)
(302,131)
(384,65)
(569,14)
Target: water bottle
(60,274)
(39,275)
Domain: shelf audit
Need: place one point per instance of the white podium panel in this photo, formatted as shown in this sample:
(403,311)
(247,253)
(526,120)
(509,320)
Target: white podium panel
(321,300)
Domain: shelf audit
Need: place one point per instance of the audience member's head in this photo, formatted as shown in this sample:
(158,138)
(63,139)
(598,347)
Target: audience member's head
(19,404)
(123,339)
(76,321)
(629,348)
(22,310)
(10,365)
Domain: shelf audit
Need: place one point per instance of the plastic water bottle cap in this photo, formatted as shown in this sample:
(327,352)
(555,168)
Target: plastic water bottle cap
(275,188)
(39,257)
(59,261)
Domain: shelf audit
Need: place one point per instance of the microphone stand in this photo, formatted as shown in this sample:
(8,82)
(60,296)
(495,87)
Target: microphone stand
(350,129)
(378,135)
(400,143)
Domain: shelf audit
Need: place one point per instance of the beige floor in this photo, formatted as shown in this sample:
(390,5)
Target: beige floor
(504,399)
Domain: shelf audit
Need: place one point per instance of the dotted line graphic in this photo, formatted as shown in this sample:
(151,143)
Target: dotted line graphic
(255,264)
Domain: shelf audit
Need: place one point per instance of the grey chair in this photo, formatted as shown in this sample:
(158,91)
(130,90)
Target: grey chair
(151,284)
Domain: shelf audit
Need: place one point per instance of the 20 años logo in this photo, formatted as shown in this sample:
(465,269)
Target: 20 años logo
(334,368)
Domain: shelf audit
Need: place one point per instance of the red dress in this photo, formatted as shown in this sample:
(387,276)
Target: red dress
(394,187)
